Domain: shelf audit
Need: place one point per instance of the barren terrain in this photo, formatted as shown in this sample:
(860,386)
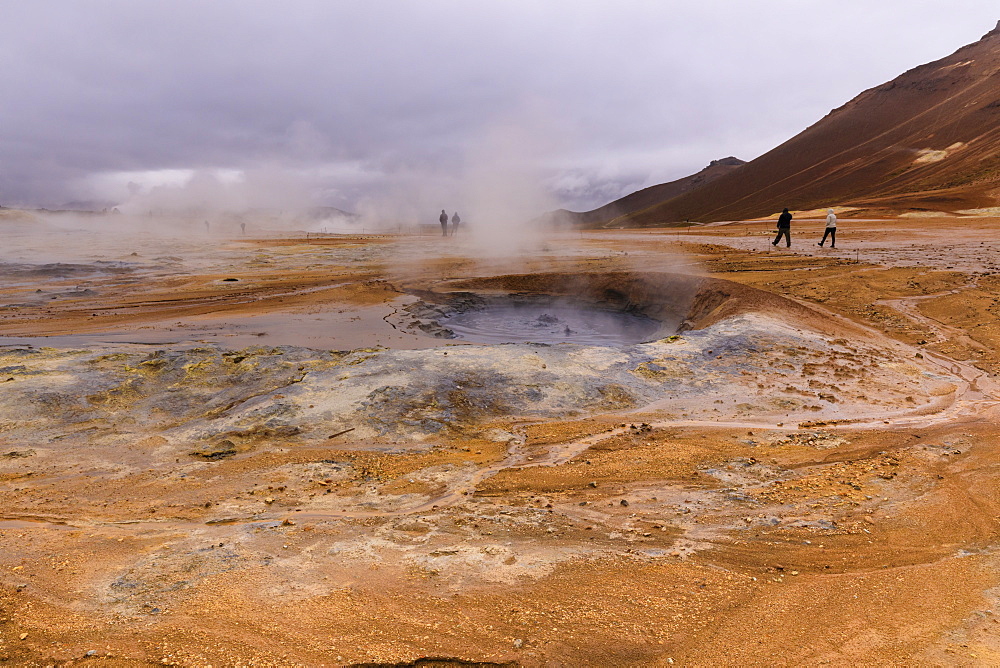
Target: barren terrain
(260,451)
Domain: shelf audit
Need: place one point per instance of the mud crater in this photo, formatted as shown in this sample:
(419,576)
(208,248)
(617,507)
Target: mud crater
(586,309)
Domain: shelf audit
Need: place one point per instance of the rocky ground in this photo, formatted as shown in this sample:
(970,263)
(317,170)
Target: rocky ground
(252,454)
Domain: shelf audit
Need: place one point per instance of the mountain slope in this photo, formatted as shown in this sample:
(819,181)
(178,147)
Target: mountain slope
(929,139)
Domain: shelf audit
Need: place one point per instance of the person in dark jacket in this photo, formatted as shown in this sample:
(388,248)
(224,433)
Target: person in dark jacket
(784,228)
(444,223)
(455,220)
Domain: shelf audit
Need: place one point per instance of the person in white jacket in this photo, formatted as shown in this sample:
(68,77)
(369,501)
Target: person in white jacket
(831,229)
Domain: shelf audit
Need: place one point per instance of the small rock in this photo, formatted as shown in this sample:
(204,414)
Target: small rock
(624,502)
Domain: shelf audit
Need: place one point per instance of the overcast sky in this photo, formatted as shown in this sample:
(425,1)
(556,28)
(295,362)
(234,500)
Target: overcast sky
(346,103)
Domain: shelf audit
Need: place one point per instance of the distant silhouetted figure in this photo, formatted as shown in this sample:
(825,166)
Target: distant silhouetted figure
(784,228)
(206,226)
(243,228)
(455,220)
(444,223)
(831,229)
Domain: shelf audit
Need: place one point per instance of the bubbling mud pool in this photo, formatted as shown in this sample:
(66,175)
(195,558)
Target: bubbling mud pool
(601,309)
(548,322)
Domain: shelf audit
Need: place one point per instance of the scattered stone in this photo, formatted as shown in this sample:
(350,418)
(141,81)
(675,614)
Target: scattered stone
(221,450)
(19,454)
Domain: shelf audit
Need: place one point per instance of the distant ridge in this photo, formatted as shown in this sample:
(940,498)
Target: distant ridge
(607,215)
(929,140)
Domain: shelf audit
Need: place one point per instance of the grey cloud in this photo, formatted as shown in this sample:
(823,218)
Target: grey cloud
(355,96)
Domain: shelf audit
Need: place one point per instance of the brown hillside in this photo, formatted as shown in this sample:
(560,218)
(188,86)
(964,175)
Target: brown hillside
(927,140)
(647,197)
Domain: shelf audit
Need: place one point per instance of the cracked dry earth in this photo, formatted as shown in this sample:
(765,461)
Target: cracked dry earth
(251,455)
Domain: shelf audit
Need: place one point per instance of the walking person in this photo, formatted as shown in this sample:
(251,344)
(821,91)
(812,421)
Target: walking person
(455,220)
(831,229)
(784,228)
(444,223)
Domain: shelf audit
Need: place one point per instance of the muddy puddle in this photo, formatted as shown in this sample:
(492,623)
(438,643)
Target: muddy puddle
(330,328)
